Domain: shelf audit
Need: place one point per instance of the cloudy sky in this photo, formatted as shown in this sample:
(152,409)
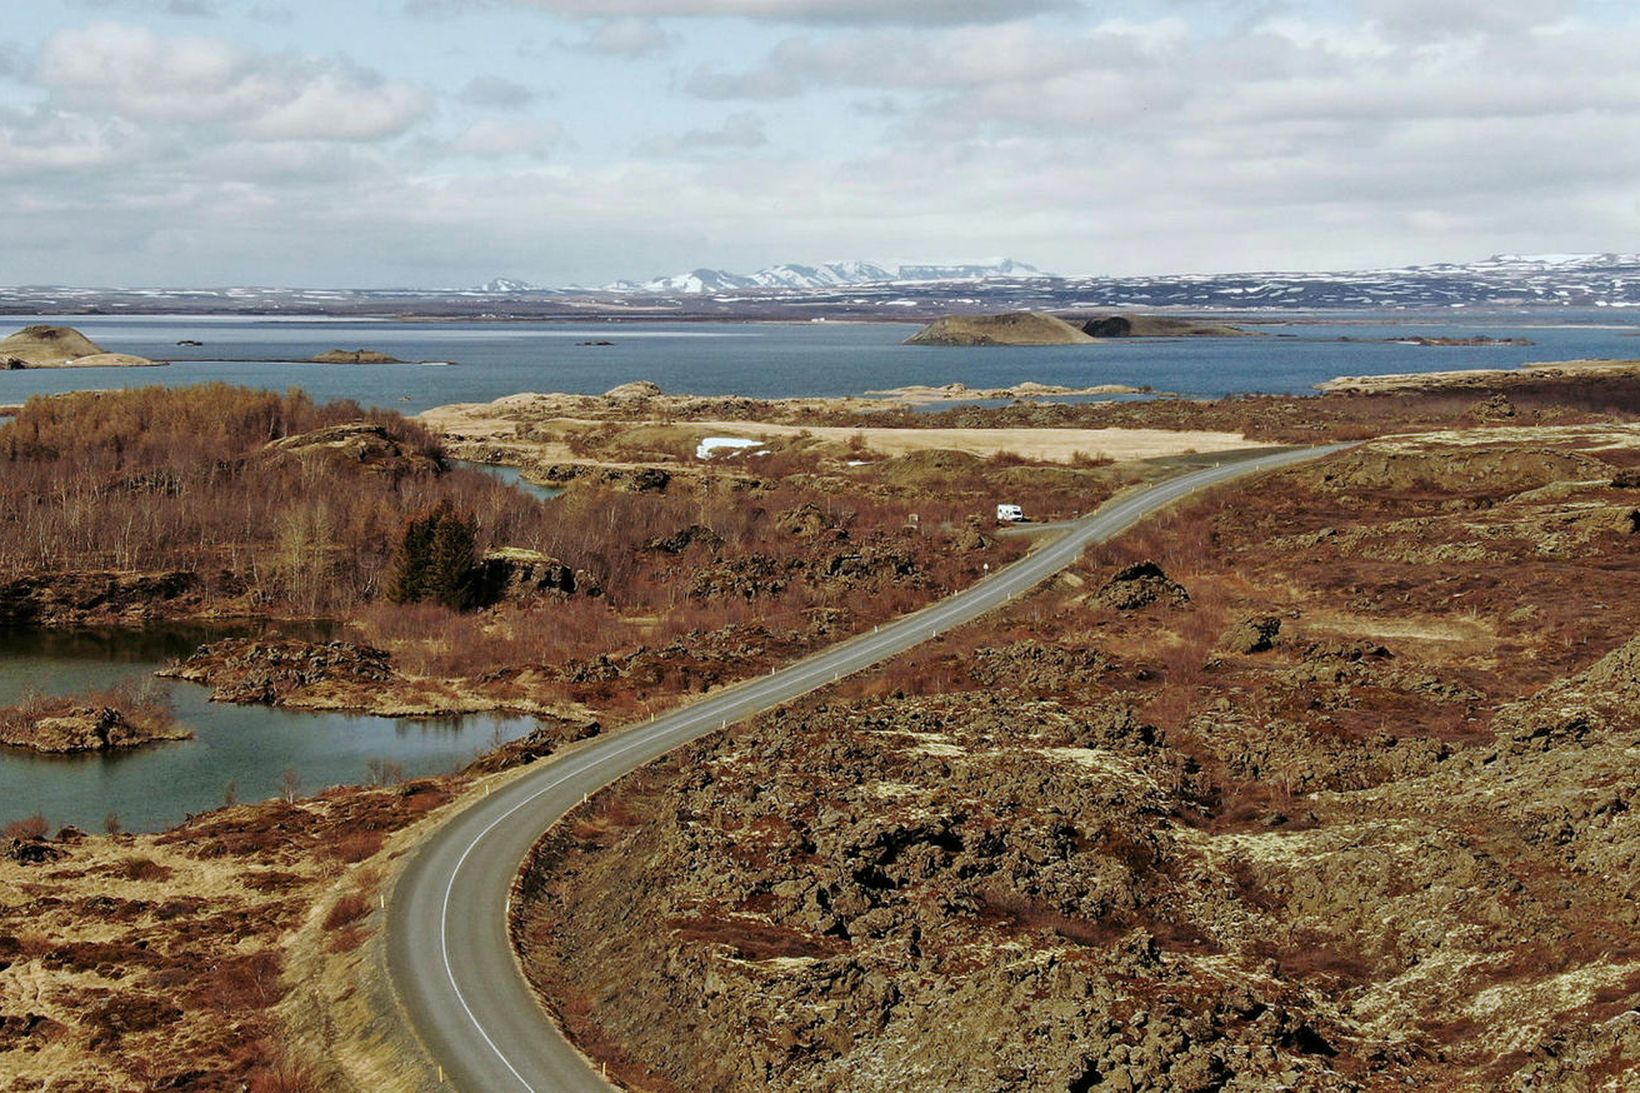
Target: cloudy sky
(445,142)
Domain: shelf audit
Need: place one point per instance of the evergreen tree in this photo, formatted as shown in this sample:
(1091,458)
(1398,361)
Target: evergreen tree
(407,579)
(453,561)
(437,559)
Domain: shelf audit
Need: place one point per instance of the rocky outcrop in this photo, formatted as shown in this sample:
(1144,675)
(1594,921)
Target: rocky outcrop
(872,565)
(1140,585)
(631,479)
(920,894)
(365,445)
(252,671)
(806,521)
(1484,378)
(638,389)
(684,538)
(538,744)
(515,575)
(1607,693)
(1254,634)
(82,599)
(1459,471)
(1037,666)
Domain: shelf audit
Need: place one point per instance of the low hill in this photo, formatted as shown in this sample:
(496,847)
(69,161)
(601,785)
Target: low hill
(44,346)
(1013,328)
(354,356)
(1159,326)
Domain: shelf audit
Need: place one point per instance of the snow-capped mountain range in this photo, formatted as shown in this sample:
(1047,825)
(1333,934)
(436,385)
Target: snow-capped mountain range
(867,290)
(796,277)
(1587,280)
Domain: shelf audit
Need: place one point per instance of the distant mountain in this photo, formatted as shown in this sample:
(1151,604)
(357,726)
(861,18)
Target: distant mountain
(827,275)
(865,290)
(1001,268)
(505,286)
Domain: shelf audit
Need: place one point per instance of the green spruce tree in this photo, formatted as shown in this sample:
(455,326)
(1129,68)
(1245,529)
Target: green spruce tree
(437,560)
(453,561)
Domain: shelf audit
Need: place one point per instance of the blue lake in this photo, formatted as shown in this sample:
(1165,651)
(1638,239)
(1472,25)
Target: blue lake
(772,360)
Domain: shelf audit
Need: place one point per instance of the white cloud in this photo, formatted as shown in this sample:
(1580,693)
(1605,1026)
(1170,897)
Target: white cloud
(1187,134)
(134,73)
(492,138)
(32,142)
(339,107)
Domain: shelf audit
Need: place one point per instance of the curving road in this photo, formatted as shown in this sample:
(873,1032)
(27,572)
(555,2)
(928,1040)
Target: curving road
(449,952)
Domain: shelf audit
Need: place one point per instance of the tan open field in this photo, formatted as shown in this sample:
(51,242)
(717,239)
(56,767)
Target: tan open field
(501,422)
(1044,445)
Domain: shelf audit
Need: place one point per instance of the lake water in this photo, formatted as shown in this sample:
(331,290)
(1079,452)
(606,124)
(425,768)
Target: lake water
(157,786)
(770,360)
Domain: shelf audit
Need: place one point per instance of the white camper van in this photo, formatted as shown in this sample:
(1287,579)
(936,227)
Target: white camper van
(1010,514)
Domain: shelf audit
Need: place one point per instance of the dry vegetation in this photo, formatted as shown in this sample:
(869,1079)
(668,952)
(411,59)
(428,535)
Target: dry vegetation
(1119,830)
(1336,796)
(158,961)
(206,483)
(155,503)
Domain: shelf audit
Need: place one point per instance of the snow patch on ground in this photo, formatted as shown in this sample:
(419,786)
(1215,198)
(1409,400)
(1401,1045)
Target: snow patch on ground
(711,444)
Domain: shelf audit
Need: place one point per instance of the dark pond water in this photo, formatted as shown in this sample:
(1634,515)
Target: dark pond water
(252,746)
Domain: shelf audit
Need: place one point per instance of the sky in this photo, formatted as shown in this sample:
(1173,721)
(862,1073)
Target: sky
(441,143)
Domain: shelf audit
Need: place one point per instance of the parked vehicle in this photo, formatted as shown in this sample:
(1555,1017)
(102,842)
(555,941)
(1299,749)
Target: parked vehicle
(1010,514)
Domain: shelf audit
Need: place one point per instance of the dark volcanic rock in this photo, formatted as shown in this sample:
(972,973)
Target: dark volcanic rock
(805,521)
(514,575)
(682,540)
(1140,585)
(1256,634)
(250,671)
(34,851)
(1037,666)
(84,598)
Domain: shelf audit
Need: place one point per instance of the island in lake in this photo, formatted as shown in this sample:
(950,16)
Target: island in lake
(1013,328)
(46,346)
(354,356)
(1041,328)
(69,725)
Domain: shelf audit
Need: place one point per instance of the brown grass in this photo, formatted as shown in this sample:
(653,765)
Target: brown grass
(347,910)
(355,846)
(29,827)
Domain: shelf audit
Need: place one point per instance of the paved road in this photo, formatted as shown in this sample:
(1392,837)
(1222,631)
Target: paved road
(448,948)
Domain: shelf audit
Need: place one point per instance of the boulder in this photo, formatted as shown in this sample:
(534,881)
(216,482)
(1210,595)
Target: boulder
(1140,585)
(1254,634)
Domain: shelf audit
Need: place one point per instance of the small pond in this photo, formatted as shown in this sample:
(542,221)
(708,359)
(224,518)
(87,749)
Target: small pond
(513,477)
(156,786)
